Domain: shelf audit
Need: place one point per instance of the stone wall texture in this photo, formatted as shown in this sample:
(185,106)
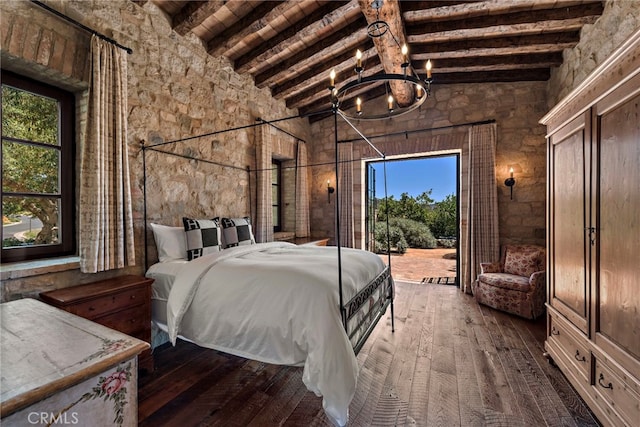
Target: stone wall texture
(516,109)
(176,90)
(621,18)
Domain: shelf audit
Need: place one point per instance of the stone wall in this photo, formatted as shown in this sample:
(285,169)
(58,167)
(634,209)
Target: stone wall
(621,18)
(175,90)
(516,108)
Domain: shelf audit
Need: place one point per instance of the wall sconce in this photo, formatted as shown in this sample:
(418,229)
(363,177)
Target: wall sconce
(330,191)
(510,182)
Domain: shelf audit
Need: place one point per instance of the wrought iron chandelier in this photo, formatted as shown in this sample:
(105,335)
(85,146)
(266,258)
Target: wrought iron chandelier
(420,89)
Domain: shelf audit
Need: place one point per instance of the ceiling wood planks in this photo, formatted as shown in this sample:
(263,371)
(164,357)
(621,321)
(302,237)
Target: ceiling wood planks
(290,46)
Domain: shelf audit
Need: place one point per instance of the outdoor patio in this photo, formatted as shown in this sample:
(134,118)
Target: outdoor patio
(424,265)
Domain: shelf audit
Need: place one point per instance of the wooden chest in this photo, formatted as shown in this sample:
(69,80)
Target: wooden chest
(62,369)
(121,303)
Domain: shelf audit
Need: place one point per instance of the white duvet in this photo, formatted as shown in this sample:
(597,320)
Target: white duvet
(277,303)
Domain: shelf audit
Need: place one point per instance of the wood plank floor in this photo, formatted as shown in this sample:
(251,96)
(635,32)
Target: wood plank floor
(450,362)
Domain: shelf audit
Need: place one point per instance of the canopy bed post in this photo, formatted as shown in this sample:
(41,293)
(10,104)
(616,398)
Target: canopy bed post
(343,312)
(144,204)
(249,185)
(384,172)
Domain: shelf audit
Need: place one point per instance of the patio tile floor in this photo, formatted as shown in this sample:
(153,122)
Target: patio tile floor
(418,264)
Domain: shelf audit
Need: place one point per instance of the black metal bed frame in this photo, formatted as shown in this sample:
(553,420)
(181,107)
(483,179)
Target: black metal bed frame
(348,309)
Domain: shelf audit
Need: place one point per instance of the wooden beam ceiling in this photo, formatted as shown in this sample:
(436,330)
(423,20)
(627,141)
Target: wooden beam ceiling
(290,46)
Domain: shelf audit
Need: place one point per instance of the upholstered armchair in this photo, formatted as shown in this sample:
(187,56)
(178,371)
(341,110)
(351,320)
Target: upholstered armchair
(515,284)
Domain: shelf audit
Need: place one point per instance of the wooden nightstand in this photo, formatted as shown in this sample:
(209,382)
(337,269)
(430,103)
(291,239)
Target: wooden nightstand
(121,303)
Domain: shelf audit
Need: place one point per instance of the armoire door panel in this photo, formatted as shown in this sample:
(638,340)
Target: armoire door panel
(618,219)
(568,224)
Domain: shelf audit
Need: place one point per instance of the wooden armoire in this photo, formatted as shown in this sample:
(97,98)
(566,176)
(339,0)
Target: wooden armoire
(593,237)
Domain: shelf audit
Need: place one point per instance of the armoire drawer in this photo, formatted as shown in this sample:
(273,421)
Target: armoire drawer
(615,394)
(572,347)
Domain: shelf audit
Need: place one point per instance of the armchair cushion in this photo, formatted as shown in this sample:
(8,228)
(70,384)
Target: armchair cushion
(506,281)
(522,260)
(490,267)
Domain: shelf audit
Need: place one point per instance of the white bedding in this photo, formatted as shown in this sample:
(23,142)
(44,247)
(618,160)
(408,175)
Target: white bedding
(277,303)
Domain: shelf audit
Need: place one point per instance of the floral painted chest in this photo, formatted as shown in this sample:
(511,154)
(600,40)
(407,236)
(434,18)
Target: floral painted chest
(61,369)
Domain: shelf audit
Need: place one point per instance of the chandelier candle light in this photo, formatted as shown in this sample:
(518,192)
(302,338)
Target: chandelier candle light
(420,88)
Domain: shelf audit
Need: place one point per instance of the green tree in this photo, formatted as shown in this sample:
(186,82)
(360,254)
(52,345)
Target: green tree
(443,222)
(411,214)
(28,168)
(407,207)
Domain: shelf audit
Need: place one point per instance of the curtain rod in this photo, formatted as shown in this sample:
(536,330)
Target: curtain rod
(407,132)
(84,27)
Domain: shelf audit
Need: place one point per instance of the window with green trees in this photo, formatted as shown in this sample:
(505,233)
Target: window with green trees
(38,213)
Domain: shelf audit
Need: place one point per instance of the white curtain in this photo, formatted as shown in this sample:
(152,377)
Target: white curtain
(302,192)
(483,242)
(263,228)
(345,193)
(106,220)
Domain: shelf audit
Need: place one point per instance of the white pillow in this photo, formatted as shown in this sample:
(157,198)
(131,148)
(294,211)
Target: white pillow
(170,242)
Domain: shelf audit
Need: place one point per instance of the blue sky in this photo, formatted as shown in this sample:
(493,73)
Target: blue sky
(415,176)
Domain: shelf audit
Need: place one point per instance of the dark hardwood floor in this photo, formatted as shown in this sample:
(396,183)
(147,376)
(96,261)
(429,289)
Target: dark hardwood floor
(450,362)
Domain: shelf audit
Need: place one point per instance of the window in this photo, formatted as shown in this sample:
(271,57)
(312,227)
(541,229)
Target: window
(276,180)
(38,209)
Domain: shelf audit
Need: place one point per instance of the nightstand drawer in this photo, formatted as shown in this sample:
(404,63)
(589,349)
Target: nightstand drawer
(95,308)
(131,321)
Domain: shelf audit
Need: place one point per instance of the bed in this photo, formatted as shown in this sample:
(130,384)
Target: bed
(276,302)
(279,303)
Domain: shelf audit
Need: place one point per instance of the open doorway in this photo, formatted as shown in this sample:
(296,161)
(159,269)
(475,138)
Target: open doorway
(423,205)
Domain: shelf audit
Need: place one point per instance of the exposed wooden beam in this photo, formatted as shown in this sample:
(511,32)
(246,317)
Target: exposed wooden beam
(419,59)
(533,74)
(500,61)
(421,11)
(251,23)
(291,35)
(570,25)
(193,14)
(408,6)
(389,45)
(553,41)
(345,38)
(539,18)
(319,89)
(342,64)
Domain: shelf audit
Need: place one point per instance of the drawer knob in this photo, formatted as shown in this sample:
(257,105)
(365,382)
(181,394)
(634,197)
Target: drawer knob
(554,331)
(91,308)
(580,358)
(133,297)
(602,384)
